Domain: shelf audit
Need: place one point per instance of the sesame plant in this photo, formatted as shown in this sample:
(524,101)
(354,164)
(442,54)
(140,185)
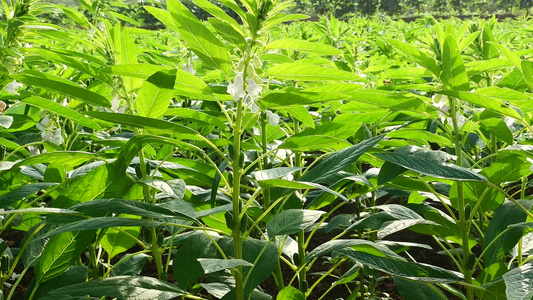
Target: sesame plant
(255,155)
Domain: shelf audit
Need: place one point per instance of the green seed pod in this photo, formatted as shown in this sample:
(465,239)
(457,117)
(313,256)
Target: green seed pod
(244,223)
(296,259)
(229,220)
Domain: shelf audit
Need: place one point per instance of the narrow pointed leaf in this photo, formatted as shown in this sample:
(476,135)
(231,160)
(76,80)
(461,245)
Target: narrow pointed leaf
(155,94)
(292,221)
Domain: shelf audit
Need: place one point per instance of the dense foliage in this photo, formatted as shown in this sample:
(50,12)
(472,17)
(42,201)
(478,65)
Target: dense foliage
(246,158)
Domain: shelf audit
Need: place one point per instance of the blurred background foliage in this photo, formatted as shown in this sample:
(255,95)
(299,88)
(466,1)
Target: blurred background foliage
(342,9)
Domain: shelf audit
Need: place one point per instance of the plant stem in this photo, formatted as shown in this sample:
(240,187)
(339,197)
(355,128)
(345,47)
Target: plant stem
(237,238)
(463,223)
(266,193)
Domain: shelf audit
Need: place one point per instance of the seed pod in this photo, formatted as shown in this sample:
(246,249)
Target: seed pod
(244,223)
(229,219)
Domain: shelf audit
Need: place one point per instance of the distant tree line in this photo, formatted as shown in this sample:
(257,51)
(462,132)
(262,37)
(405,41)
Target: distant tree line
(341,8)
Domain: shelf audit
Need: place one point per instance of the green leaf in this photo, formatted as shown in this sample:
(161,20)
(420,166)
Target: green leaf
(453,74)
(195,115)
(61,252)
(303,46)
(337,245)
(122,287)
(66,158)
(292,221)
(155,94)
(84,188)
(217,12)
(309,72)
(301,114)
(142,71)
(132,207)
(338,161)
(120,239)
(73,275)
(420,135)
(507,214)
(130,264)
(186,267)
(527,69)
(489,102)
(63,87)
(62,111)
(385,99)
(290,293)
(101,222)
(201,41)
(274,173)
(431,167)
(419,56)
(409,289)
(275,99)
(229,33)
(23,192)
(507,169)
(499,129)
(212,265)
(409,270)
(519,99)
(298,185)
(519,282)
(143,122)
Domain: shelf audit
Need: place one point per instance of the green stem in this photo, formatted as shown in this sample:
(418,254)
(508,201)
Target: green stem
(463,222)
(266,193)
(237,238)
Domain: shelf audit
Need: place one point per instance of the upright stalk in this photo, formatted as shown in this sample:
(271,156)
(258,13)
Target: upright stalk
(236,190)
(463,223)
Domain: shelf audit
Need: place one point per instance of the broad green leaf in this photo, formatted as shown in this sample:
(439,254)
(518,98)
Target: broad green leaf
(489,102)
(122,287)
(498,128)
(519,99)
(480,66)
(229,33)
(172,188)
(155,94)
(120,239)
(507,169)
(201,41)
(63,87)
(74,274)
(85,188)
(62,111)
(142,71)
(409,270)
(527,69)
(186,267)
(292,221)
(453,70)
(290,293)
(143,122)
(409,289)
(163,16)
(337,245)
(519,282)
(101,222)
(217,12)
(431,167)
(195,115)
(274,173)
(385,99)
(132,207)
(507,214)
(420,135)
(23,192)
(301,114)
(309,72)
(420,57)
(67,158)
(338,161)
(61,252)
(212,265)
(303,46)
(275,99)
(130,264)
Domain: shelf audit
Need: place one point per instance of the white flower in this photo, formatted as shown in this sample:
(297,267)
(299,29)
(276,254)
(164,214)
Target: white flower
(273,119)
(531,162)
(49,132)
(236,89)
(1,216)
(253,89)
(189,68)
(13,86)
(441,103)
